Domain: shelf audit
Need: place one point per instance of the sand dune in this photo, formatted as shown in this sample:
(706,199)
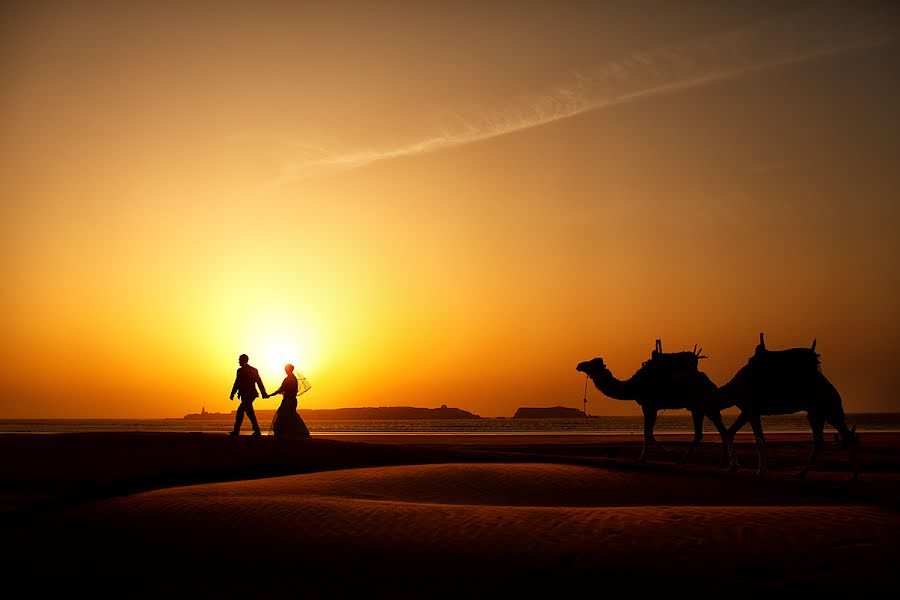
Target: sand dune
(460,528)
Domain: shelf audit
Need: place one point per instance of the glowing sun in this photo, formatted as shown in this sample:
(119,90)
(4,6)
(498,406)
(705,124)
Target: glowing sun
(279,353)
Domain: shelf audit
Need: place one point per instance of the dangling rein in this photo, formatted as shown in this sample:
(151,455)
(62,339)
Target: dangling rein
(585,398)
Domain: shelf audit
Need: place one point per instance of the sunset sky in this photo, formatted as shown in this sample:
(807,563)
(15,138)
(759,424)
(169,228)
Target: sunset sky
(426,203)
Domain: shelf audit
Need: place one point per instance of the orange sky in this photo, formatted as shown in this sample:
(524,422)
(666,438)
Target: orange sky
(426,203)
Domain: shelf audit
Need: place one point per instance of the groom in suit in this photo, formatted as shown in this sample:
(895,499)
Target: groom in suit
(245,383)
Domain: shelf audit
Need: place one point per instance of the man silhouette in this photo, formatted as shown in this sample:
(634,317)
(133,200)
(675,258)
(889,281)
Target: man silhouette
(245,383)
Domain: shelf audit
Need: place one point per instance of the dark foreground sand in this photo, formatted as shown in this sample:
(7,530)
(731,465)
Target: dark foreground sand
(439,516)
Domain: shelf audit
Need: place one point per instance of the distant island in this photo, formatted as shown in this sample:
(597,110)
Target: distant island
(205,416)
(382,413)
(554,412)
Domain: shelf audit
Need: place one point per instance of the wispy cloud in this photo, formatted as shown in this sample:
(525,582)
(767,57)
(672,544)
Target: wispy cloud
(639,76)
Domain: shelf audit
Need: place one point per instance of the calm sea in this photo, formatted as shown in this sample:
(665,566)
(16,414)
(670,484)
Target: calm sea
(667,422)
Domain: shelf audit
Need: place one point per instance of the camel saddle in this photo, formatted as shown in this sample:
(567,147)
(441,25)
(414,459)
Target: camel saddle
(673,362)
(792,358)
(778,368)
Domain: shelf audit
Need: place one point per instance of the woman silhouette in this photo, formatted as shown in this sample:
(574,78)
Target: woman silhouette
(287,421)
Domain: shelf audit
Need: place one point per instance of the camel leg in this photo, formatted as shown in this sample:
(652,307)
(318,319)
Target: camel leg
(727,451)
(829,395)
(817,422)
(849,437)
(649,422)
(756,424)
(698,435)
(735,427)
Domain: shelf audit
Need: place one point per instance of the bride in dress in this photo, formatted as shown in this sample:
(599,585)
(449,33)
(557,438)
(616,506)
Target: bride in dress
(287,421)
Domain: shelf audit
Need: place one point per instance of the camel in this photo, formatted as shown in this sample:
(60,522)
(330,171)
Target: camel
(666,381)
(786,382)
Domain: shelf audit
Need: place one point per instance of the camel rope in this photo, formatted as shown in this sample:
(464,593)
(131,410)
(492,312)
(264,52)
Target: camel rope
(585,398)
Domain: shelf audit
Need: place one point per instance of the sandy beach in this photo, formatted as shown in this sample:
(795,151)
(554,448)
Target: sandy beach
(438,516)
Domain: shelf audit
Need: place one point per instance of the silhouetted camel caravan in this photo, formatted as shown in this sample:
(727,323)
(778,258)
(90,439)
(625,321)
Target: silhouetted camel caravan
(666,381)
(785,382)
(771,383)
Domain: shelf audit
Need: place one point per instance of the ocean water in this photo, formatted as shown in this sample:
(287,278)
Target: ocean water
(668,422)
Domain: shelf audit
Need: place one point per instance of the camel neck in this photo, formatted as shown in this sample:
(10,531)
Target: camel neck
(612,387)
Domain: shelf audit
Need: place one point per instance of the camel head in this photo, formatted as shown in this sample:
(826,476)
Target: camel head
(593,368)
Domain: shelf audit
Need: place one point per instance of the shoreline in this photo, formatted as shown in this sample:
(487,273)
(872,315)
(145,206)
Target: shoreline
(19,427)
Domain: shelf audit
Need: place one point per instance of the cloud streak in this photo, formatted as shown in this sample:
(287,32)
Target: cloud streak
(639,76)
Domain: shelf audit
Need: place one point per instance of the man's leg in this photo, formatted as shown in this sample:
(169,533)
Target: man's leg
(251,414)
(238,419)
